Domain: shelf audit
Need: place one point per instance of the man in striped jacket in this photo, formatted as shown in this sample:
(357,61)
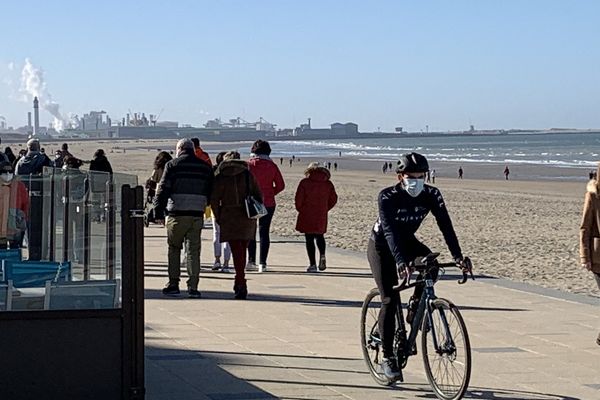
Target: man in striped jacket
(183,193)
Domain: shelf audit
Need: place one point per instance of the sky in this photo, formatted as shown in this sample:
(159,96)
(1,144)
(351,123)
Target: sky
(382,64)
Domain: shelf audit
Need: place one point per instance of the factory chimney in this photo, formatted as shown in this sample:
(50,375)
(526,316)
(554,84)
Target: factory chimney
(36,116)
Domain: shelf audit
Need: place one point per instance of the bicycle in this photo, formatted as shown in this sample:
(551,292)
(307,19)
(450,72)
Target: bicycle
(444,336)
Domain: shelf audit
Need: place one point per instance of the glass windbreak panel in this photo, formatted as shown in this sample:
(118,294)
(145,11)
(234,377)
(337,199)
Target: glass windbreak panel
(119,181)
(60,234)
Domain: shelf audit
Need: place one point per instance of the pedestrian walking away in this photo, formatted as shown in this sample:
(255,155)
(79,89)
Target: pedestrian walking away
(271,183)
(460,173)
(233,182)
(183,193)
(315,196)
(335,165)
(433,176)
(218,246)
(589,238)
(506,172)
(384,168)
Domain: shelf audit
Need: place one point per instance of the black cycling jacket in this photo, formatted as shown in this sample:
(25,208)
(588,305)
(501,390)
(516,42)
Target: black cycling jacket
(400,215)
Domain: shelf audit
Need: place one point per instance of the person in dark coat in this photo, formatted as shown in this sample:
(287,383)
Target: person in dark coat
(100,162)
(233,182)
(315,196)
(34,161)
(10,155)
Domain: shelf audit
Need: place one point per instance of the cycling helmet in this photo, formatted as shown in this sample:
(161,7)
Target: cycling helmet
(412,162)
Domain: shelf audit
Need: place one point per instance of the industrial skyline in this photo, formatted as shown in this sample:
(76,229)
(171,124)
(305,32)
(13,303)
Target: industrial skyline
(445,65)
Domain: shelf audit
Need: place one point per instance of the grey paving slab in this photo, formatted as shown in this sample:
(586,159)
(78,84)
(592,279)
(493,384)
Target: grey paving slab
(296,337)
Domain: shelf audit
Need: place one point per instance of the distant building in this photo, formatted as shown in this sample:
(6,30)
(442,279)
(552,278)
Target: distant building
(347,129)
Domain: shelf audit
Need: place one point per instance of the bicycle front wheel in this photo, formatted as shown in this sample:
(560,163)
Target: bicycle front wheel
(370,340)
(447,359)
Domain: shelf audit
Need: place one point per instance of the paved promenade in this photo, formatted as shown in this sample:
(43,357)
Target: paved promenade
(297,335)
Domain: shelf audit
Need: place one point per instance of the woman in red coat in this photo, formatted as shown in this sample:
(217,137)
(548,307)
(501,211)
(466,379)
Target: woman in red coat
(315,196)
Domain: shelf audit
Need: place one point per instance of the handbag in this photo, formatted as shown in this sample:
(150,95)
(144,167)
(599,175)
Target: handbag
(254,208)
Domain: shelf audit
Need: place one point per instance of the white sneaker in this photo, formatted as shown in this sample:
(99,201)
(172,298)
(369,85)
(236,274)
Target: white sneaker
(251,267)
(226,269)
(312,268)
(262,267)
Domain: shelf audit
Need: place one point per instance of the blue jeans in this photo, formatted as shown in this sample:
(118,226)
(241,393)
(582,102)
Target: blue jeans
(264,225)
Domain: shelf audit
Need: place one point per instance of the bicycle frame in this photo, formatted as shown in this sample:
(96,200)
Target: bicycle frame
(423,310)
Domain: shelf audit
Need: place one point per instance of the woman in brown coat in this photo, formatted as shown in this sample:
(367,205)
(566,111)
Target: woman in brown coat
(229,209)
(589,237)
(315,196)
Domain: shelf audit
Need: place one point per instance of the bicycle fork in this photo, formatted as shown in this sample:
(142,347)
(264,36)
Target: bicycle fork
(448,347)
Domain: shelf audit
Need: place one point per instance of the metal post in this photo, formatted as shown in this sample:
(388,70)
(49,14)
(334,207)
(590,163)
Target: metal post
(110,229)
(132,257)
(52,230)
(86,229)
(66,218)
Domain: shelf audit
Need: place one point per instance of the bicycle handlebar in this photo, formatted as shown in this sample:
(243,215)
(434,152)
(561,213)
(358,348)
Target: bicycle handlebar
(466,267)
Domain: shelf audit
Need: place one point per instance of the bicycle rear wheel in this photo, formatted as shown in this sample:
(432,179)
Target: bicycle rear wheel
(448,367)
(370,339)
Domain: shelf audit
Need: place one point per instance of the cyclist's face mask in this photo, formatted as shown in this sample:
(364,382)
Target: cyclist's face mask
(413,186)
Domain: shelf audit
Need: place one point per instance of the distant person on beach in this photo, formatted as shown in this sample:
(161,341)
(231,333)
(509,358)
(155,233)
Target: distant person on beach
(233,182)
(384,168)
(460,173)
(218,246)
(98,183)
(291,161)
(10,155)
(270,182)
(14,201)
(329,165)
(34,161)
(294,157)
(589,238)
(335,165)
(3,156)
(280,160)
(183,194)
(22,153)
(506,172)
(393,245)
(432,174)
(390,166)
(428,179)
(100,162)
(339,154)
(315,196)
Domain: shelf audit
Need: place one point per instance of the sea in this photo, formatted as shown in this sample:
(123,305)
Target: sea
(573,150)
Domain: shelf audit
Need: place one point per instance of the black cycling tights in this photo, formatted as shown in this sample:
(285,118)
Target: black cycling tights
(310,246)
(383,266)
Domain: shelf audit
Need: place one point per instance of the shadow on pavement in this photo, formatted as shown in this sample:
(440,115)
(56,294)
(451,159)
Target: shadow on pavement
(185,374)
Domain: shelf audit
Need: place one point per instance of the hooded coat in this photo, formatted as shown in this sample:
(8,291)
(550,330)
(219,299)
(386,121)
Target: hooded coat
(32,163)
(589,236)
(268,177)
(227,200)
(101,163)
(315,196)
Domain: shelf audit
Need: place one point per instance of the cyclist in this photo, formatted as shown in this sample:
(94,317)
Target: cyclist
(393,245)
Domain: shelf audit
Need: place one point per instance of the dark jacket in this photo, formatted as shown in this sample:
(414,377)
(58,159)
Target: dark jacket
(227,202)
(315,196)
(400,215)
(33,163)
(102,164)
(589,236)
(185,187)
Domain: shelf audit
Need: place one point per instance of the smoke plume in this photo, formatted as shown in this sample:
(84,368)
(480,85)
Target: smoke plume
(33,85)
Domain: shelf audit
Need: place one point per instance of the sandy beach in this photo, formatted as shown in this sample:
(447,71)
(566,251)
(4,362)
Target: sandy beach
(523,230)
